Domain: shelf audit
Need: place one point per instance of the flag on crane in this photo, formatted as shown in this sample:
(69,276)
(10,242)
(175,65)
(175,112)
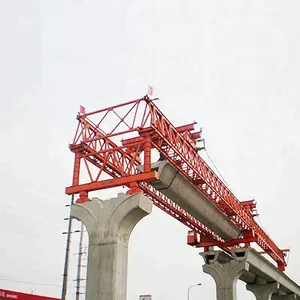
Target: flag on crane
(82,110)
(150,90)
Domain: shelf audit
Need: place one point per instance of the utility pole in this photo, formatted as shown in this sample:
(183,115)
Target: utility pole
(79,265)
(67,254)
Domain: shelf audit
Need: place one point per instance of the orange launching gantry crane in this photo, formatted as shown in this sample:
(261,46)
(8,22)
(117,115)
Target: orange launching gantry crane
(111,144)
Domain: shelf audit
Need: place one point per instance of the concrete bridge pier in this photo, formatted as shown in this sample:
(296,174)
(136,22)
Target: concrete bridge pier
(284,297)
(225,273)
(263,279)
(263,291)
(109,225)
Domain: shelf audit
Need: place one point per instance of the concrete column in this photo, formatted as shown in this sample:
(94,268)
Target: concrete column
(109,225)
(226,272)
(284,297)
(263,291)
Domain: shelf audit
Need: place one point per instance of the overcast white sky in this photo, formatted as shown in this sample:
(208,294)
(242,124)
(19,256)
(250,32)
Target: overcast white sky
(231,65)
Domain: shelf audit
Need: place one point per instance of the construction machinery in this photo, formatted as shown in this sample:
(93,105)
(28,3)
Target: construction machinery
(115,147)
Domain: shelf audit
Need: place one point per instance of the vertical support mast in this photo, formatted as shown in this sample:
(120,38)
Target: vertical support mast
(76,171)
(67,254)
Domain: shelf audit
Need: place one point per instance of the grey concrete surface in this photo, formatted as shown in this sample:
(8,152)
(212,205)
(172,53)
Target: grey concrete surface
(284,297)
(180,190)
(263,291)
(265,270)
(259,271)
(109,225)
(226,277)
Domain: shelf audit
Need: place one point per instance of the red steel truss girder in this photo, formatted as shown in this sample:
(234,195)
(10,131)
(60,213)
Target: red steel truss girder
(230,244)
(207,241)
(178,147)
(109,183)
(109,165)
(93,145)
(194,167)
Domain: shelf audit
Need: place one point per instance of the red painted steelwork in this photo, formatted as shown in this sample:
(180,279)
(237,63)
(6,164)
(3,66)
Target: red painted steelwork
(118,147)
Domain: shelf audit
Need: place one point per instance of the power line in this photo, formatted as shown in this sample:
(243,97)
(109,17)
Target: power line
(222,178)
(29,282)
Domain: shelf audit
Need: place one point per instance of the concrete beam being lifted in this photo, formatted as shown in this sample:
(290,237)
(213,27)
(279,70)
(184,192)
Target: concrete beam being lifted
(180,190)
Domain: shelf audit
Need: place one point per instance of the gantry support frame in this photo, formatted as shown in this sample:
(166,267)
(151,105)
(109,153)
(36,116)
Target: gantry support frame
(141,127)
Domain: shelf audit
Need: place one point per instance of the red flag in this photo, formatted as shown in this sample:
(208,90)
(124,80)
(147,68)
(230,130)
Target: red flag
(150,90)
(82,110)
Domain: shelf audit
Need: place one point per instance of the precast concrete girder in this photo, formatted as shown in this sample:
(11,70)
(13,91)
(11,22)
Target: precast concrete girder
(261,276)
(180,190)
(109,225)
(264,269)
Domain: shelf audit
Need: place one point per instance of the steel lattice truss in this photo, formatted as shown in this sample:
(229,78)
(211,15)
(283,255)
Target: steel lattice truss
(110,144)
